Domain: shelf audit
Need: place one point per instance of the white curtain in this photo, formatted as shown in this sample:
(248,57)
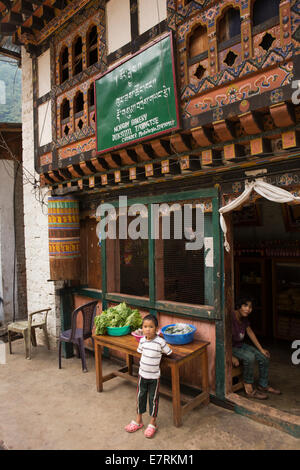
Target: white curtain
(266,190)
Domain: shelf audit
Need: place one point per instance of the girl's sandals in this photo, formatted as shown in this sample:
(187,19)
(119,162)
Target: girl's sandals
(150,431)
(133,426)
(269,390)
(256,394)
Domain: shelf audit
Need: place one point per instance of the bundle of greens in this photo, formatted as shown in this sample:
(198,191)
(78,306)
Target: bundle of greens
(118,316)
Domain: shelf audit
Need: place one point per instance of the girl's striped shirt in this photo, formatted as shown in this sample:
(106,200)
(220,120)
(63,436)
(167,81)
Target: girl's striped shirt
(152,351)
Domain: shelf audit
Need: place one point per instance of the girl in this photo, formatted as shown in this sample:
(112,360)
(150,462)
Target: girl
(249,354)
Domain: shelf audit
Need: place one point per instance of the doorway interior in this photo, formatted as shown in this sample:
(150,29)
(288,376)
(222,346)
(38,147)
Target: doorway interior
(267,267)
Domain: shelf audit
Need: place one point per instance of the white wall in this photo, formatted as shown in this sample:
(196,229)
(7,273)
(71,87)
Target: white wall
(151,12)
(118,24)
(7,237)
(40,293)
(45,123)
(44,75)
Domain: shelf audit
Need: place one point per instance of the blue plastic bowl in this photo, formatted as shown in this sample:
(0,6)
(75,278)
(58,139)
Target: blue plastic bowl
(178,339)
(118,330)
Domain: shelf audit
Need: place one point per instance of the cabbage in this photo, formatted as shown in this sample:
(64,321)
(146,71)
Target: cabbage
(121,315)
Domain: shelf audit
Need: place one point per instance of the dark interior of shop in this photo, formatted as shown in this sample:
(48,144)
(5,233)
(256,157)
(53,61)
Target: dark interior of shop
(267,267)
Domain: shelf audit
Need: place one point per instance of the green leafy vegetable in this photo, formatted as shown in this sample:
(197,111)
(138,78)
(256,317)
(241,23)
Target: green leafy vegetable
(121,315)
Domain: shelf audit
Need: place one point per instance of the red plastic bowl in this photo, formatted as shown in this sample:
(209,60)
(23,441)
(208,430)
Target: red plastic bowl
(137,337)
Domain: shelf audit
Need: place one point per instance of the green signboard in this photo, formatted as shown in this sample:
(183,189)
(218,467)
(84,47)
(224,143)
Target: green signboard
(137,99)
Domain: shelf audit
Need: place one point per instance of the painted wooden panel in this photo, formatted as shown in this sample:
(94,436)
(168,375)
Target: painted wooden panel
(44,74)
(118,24)
(45,124)
(151,12)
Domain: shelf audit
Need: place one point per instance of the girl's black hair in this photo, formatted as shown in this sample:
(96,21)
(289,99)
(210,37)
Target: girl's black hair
(151,318)
(243,301)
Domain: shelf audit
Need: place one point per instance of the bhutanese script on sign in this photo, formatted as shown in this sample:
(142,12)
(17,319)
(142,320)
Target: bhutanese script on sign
(137,99)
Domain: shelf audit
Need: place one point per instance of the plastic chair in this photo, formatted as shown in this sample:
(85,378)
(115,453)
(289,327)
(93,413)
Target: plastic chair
(27,329)
(77,335)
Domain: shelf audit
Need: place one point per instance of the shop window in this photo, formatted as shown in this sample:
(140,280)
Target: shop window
(91,96)
(264,10)
(198,43)
(179,272)
(91,273)
(134,277)
(77,56)
(127,260)
(65,110)
(78,102)
(92,46)
(64,61)
(229,26)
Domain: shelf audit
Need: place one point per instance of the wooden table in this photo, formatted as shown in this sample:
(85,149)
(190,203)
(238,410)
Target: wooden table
(182,354)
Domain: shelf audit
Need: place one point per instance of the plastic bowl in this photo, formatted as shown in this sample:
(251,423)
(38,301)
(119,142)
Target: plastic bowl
(136,335)
(178,339)
(118,331)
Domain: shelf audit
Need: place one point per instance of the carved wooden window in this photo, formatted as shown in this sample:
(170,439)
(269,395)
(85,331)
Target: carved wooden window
(265,10)
(65,109)
(64,65)
(198,43)
(92,46)
(77,56)
(65,117)
(78,103)
(91,96)
(229,26)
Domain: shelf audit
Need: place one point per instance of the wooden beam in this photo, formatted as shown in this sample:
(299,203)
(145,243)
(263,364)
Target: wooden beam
(26,7)
(8,53)
(161,148)
(7,3)
(202,137)
(15,18)
(224,130)
(36,23)
(250,123)
(60,4)
(282,115)
(48,13)
(7,28)
(179,143)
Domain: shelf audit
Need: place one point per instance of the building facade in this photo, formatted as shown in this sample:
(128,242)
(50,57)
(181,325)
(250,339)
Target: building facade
(236,66)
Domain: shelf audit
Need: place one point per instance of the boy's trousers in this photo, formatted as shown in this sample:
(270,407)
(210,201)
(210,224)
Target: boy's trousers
(148,387)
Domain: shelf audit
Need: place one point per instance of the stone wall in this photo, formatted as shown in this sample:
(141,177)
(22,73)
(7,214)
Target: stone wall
(40,293)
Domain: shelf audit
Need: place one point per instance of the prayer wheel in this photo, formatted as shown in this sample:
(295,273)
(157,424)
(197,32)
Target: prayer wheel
(64,238)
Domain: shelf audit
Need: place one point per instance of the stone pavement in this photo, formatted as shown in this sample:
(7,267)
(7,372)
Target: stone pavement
(44,408)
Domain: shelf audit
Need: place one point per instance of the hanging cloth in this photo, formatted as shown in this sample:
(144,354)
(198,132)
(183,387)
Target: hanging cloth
(266,190)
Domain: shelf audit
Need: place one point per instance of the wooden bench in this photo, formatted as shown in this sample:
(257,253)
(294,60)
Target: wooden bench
(237,372)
